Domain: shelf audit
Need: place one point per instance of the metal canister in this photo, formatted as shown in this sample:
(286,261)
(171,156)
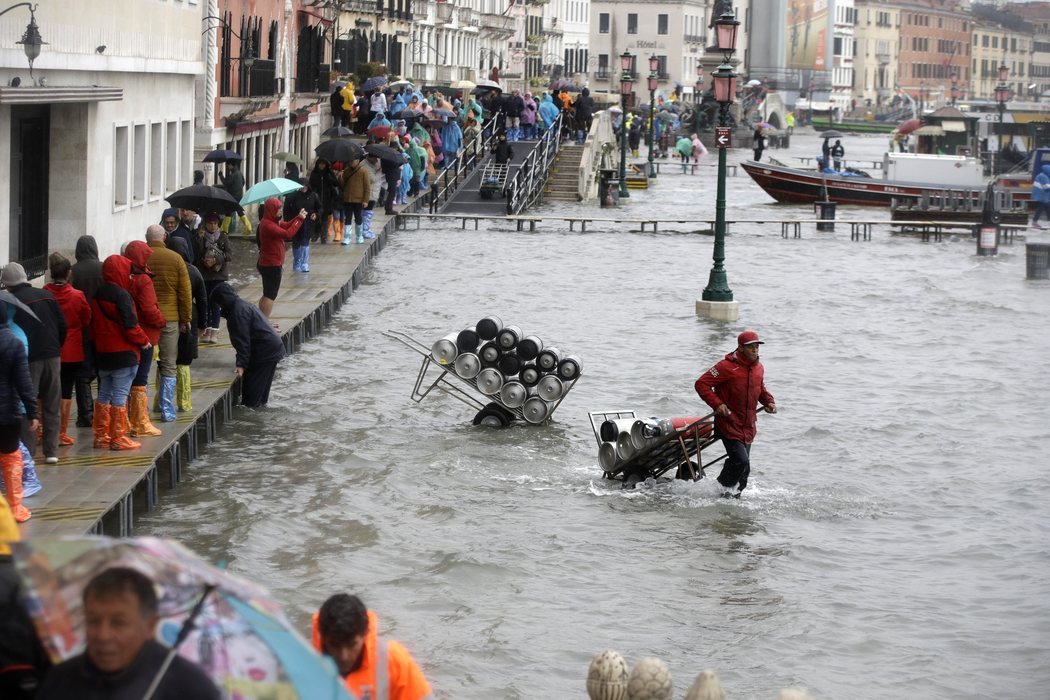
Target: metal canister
(529,347)
(570,368)
(548,358)
(508,337)
(467,340)
(489,354)
(489,327)
(444,351)
(643,431)
(513,394)
(611,429)
(529,374)
(509,363)
(607,458)
(467,365)
(624,446)
(550,388)
(490,381)
(535,410)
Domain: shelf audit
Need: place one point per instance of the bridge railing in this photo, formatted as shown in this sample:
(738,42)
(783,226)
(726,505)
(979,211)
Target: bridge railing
(600,134)
(531,176)
(448,181)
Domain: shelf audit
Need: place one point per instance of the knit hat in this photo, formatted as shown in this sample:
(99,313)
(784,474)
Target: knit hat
(212,216)
(13,274)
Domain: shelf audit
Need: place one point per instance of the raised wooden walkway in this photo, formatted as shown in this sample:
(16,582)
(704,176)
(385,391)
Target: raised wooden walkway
(100,491)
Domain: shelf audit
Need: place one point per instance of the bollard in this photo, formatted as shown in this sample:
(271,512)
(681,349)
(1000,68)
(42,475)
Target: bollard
(1037,256)
(825,212)
(987,238)
(607,677)
(650,680)
(706,687)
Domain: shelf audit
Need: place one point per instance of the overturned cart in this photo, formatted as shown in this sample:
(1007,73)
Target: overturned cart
(632,449)
(497,371)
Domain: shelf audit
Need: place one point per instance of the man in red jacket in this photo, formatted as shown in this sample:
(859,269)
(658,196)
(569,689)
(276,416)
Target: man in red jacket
(733,388)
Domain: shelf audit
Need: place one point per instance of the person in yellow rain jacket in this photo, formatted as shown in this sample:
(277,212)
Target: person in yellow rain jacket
(374,668)
(349,104)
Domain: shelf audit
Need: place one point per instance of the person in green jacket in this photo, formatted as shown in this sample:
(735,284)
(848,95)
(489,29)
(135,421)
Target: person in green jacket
(684,148)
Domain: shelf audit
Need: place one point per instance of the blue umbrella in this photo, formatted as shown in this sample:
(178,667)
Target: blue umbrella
(374,82)
(276,187)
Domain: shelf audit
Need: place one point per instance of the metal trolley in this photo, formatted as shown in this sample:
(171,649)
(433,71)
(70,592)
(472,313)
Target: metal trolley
(682,451)
(491,409)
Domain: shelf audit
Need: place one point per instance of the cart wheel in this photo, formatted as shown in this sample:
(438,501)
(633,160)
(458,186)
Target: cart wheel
(494,416)
(633,479)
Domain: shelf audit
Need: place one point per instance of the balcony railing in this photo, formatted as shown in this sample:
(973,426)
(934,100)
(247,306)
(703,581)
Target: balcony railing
(602,74)
(693,38)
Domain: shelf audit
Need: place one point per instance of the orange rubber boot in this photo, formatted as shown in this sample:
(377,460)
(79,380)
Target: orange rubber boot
(63,437)
(139,424)
(100,425)
(118,440)
(11,464)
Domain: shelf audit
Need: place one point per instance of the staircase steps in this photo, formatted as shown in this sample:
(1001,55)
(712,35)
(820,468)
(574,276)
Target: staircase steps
(563,181)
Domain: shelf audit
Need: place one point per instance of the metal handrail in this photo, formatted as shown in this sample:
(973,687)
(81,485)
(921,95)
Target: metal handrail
(531,176)
(448,181)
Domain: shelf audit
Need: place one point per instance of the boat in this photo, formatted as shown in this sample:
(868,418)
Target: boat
(939,174)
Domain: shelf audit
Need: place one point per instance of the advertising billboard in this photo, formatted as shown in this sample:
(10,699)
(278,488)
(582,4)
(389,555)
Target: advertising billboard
(808,32)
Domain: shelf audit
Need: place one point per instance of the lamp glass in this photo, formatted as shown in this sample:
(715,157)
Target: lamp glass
(653,84)
(725,31)
(626,61)
(1004,73)
(32,50)
(626,87)
(1002,93)
(724,85)
(654,64)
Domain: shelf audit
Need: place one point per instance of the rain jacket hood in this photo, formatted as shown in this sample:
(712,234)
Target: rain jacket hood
(224,296)
(139,254)
(87,248)
(271,208)
(116,270)
(1046,170)
(181,247)
(172,213)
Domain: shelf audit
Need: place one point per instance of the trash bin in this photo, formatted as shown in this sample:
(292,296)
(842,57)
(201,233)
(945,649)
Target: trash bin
(825,211)
(608,187)
(1038,258)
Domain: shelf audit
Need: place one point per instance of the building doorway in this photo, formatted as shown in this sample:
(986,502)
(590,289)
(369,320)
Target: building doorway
(30,183)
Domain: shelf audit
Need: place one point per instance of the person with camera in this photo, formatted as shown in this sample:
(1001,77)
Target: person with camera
(211,248)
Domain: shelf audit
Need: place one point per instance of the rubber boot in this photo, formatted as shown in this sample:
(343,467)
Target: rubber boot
(100,425)
(30,482)
(85,404)
(337,231)
(167,398)
(117,438)
(305,264)
(295,259)
(138,414)
(360,233)
(11,463)
(182,388)
(65,406)
(366,224)
(348,234)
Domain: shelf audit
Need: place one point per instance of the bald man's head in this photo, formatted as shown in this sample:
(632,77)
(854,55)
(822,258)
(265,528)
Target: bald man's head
(156,232)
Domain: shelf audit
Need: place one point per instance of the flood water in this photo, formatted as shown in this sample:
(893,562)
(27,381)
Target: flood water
(893,542)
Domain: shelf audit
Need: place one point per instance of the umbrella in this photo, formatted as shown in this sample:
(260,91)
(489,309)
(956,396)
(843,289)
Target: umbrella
(9,298)
(340,150)
(398,84)
(274,187)
(373,83)
(443,113)
(764,125)
(753,83)
(666,116)
(908,126)
(380,132)
(338,84)
(489,84)
(463,85)
(204,198)
(221,155)
(615,109)
(391,155)
(408,114)
(337,131)
(567,85)
(287,157)
(831,134)
(240,638)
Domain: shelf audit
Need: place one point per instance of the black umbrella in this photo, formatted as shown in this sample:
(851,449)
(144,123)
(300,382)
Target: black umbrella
(485,89)
(337,131)
(340,150)
(391,155)
(374,83)
(832,134)
(408,114)
(221,155)
(204,198)
(9,298)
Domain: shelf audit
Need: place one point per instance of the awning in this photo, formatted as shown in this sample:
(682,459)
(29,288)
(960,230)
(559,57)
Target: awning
(952,125)
(929,130)
(52,95)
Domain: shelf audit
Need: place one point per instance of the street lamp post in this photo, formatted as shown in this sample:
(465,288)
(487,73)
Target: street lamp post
(717,298)
(31,40)
(626,87)
(654,81)
(1002,94)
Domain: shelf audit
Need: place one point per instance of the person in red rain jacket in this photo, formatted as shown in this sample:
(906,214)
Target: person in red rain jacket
(152,321)
(75,308)
(733,388)
(272,234)
(119,340)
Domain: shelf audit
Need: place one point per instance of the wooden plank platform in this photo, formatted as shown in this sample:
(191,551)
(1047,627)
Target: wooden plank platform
(101,491)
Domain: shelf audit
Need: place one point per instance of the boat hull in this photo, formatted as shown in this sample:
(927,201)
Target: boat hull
(795,185)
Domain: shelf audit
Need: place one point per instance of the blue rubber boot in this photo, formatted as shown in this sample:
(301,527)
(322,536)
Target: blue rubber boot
(360,233)
(304,262)
(366,224)
(30,481)
(167,398)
